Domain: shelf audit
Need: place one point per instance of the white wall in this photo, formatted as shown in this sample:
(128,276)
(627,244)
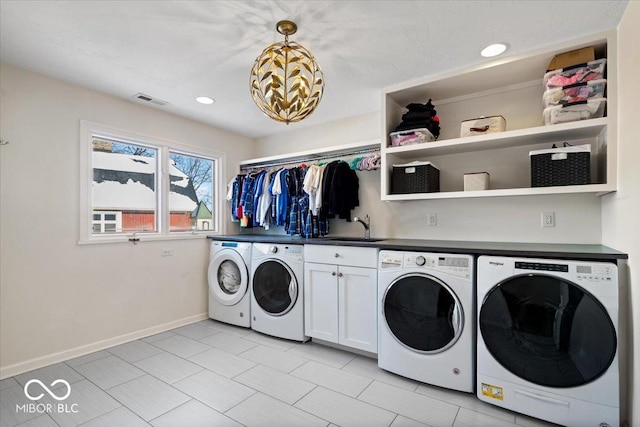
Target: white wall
(621,210)
(58,299)
(487,219)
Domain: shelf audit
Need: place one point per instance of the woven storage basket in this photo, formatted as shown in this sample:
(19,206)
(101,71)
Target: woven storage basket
(415,177)
(569,165)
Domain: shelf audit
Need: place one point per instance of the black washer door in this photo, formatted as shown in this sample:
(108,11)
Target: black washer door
(422,313)
(548,331)
(274,287)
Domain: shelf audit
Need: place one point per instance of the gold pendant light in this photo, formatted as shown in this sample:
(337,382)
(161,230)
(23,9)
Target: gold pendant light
(286,81)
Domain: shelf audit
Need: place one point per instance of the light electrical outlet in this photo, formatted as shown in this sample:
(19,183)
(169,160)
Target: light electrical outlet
(166,252)
(432,218)
(548,219)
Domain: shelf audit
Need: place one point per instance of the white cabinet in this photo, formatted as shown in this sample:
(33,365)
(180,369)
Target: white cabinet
(511,87)
(340,295)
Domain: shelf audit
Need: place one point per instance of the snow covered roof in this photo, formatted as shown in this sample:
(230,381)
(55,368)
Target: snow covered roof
(125,182)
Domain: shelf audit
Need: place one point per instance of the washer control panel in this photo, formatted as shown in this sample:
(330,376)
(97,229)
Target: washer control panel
(595,273)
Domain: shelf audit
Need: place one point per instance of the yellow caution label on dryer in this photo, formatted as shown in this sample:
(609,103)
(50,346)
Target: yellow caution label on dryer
(492,391)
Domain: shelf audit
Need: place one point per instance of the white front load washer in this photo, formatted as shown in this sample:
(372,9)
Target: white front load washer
(228,279)
(426,322)
(277,300)
(547,339)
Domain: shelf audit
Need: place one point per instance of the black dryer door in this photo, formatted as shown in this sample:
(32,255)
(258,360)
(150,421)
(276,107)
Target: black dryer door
(547,330)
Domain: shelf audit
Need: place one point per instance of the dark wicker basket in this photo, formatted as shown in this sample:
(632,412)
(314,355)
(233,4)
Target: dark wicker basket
(408,179)
(575,169)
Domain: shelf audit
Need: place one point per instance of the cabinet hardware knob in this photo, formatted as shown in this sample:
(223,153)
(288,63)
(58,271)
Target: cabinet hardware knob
(340,274)
(337,255)
(333,273)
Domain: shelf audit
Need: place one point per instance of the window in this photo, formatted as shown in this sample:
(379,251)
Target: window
(133,185)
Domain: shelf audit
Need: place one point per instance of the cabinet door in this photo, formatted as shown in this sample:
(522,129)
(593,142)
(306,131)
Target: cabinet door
(357,289)
(321,301)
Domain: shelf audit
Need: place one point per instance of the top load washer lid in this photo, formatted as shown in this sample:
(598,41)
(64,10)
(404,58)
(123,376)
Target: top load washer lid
(547,330)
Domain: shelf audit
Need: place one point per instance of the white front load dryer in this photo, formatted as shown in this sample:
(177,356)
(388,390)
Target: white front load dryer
(426,318)
(548,339)
(228,277)
(277,300)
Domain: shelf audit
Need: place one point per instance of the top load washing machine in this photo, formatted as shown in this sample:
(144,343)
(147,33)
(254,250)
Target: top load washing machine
(228,278)
(426,322)
(277,300)
(547,339)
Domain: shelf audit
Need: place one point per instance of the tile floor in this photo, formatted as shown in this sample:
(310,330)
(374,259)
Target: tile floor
(213,374)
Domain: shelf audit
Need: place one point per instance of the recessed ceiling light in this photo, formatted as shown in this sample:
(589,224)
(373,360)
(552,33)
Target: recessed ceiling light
(205,100)
(493,50)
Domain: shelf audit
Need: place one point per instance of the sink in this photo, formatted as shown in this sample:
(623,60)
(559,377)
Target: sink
(353,239)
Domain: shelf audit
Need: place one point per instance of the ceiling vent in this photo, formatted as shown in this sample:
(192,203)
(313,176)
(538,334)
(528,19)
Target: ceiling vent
(147,98)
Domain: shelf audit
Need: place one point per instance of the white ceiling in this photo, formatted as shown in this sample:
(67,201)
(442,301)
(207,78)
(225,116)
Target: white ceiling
(177,50)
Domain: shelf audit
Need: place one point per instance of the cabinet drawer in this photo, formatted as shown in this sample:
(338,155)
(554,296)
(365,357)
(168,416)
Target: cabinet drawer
(342,255)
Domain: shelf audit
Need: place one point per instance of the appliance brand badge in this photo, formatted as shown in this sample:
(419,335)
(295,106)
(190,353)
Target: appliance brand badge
(496,263)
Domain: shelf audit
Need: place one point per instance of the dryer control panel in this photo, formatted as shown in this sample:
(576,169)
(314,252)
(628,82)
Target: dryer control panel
(451,264)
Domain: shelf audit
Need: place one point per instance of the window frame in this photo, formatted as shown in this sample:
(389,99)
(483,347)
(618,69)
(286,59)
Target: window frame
(89,130)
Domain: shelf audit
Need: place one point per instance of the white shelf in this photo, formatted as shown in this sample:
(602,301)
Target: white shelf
(597,189)
(311,155)
(515,138)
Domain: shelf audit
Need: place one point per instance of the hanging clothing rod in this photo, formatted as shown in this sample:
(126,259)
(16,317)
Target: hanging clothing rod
(307,159)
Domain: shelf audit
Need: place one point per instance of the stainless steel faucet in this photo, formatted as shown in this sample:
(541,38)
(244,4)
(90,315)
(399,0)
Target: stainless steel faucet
(366,224)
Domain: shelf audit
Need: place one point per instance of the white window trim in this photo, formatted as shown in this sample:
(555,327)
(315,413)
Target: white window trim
(87,131)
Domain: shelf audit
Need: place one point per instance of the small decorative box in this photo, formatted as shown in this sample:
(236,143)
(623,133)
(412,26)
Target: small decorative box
(476,181)
(483,125)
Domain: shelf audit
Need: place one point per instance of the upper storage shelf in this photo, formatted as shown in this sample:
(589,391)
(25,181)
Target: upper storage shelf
(511,87)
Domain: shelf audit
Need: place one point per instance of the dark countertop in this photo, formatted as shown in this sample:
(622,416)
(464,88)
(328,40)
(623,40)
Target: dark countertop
(531,250)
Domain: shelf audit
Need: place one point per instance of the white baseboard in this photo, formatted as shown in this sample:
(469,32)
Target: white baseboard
(40,362)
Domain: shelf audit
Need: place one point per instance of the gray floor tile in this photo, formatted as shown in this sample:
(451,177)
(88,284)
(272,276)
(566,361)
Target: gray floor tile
(465,400)
(181,346)
(109,372)
(401,421)
(194,414)
(195,331)
(214,390)
(91,403)
(50,374)
(468,418)
(264,411)
(238,331)
(332,378)
(343,410)
(88,358)
(222,362)
(134,351)
(276,359)
(409,404)
(8,382)
(168,367)
(322,353)
(274,383)
(42,421)
(158,337)
(229,343)
(269,341)
(526,421)
(148,397)
(10,414)
(120,417)
(367,367)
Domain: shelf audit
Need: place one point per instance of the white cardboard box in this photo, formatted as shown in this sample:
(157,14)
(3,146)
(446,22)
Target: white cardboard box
(476,181)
